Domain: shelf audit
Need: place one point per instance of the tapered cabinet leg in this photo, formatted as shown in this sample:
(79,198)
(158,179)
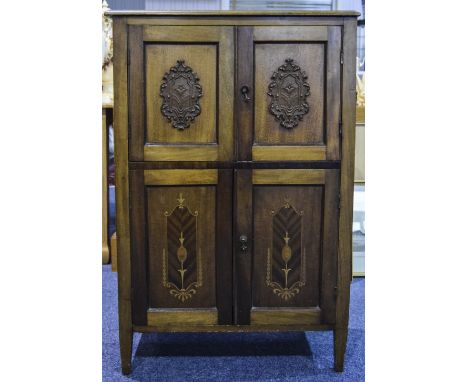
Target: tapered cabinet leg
(126,342)
(339,341)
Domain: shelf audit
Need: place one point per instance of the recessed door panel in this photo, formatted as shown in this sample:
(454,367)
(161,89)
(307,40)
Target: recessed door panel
(181,254)
(181,259)
(190,94)
(293,112)
(290,107)
(180,84)
(287,231)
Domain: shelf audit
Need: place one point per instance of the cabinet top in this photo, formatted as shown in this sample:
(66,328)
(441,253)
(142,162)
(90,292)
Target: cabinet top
(234,13)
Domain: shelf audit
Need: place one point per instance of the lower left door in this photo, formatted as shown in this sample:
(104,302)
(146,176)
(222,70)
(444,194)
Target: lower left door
(181,247)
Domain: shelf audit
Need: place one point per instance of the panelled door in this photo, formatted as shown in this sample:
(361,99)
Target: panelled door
(181,232)
(181,93)
(289,82)
(286,246)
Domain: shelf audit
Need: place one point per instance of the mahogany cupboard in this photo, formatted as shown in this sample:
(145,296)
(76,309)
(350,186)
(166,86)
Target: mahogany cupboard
(234,142)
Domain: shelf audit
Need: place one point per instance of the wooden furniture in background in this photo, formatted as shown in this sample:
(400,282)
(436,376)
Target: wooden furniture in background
(113,251)
(106,121)
(234,144)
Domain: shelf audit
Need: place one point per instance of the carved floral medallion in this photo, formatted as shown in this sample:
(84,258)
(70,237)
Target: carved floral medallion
(288,91)
(181,92)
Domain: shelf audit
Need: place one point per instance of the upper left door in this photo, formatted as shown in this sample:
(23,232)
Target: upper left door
(181,82)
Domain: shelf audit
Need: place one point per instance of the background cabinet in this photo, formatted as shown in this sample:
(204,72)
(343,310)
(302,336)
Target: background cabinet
(234,153)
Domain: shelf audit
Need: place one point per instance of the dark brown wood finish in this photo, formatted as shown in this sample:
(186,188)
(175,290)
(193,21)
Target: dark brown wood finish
(174,209)
(138,246)
(287,217)
(243,256)
(181,93)
(224,263)
(271,62)
(244,103)
(136,93)
(344,267)
(232,190)
(169,328)
(295,209)
(333,96)
(181,218)
(330,246)
(122,193)
(310,55)
(230,165)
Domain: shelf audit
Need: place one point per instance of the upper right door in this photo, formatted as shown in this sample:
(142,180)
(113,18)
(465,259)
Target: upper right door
(289,83)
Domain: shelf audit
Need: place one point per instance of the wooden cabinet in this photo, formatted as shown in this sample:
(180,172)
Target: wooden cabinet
(234,136)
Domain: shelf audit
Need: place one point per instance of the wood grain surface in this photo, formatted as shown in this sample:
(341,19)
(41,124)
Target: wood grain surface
(191,194)
(122,192)
(182,317)
(293,176)
(344,266)
(286,316)
(268,58)
(203,61)
(180,177)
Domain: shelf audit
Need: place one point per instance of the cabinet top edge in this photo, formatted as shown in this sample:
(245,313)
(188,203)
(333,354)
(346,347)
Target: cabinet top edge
(233,13)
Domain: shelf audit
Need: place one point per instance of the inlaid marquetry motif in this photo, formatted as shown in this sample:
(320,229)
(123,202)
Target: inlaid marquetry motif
(288,91)
(181,92)
(285,273)
(181,268)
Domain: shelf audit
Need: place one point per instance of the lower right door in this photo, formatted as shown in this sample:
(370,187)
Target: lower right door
(294,247)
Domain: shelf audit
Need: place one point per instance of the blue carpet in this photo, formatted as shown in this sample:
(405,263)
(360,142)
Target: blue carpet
(295,356)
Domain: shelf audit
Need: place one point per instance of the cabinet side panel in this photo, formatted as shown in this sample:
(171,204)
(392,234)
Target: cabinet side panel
(136,92)
(347,173)
(121,180)
(333,93)
(138,246)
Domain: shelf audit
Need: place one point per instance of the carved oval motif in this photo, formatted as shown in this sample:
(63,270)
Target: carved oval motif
(181,92)
(288,91)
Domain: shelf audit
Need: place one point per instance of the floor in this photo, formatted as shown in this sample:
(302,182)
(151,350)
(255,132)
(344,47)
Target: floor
(230,357)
